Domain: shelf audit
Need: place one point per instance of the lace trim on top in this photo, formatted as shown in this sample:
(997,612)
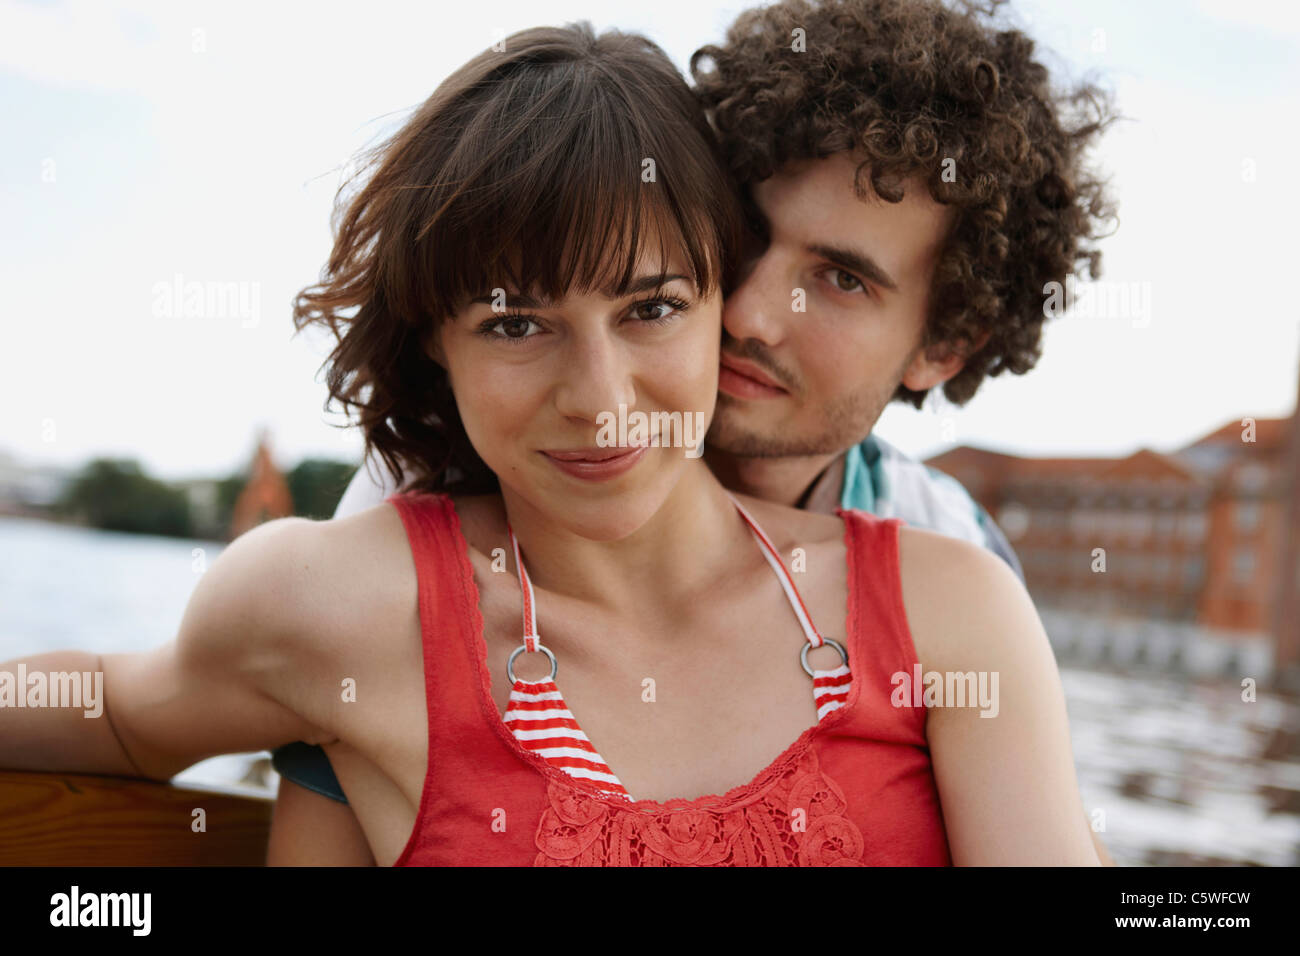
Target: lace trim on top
(800,820)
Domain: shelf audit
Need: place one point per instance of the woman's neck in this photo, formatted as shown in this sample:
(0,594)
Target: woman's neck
(683,546)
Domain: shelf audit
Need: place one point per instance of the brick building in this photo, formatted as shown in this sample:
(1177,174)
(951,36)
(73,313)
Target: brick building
(265,496)
(1192,543)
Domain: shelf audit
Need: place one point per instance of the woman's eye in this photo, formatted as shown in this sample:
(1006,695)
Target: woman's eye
(639,310)
(513,327)
(661,311)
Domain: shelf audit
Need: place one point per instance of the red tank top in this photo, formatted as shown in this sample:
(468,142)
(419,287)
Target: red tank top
(855,789)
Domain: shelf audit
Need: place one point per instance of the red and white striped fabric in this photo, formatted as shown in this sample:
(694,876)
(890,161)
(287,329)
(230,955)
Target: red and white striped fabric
(542,723)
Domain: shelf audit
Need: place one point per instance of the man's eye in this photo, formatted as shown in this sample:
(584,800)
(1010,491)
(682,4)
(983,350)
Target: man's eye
(853,284)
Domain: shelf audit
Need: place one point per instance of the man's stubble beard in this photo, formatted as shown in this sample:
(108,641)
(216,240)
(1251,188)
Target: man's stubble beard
(846,422)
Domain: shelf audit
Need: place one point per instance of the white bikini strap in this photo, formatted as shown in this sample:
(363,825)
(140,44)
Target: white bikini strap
(525,585)
(531,637)
(787,583)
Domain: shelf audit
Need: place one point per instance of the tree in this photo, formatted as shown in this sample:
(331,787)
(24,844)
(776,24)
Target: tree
(317,485)
(114,494)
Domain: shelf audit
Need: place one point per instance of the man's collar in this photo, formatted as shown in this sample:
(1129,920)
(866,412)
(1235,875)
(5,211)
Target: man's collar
(824,496)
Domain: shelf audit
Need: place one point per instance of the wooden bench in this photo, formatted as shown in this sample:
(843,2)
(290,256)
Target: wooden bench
(62,819)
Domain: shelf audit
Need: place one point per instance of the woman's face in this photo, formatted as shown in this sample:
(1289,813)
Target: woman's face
(539,387)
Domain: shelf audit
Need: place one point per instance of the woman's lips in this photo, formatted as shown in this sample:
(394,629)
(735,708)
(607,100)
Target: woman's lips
(736,383)
(595,464)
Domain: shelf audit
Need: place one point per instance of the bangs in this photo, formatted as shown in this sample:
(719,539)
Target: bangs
(557,186)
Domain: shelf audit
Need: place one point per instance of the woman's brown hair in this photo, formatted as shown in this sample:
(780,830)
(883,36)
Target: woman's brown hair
(546,164)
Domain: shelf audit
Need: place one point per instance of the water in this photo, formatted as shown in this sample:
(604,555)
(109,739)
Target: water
(103,591)
(1185,772)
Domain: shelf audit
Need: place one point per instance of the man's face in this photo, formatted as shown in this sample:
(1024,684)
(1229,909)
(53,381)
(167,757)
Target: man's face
(862,269)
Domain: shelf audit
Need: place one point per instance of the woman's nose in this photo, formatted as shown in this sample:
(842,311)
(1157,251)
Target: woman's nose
(595,376)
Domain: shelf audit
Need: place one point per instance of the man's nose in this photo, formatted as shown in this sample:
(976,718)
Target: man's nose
(759,305)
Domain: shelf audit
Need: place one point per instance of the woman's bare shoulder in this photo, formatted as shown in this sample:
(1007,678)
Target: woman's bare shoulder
(295,603)
(315,585)
(961,600)
(367,568)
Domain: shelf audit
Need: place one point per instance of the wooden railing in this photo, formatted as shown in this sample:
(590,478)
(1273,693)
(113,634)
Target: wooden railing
(61,819)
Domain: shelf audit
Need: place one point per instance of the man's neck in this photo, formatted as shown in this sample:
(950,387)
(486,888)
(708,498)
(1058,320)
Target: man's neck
(797,482)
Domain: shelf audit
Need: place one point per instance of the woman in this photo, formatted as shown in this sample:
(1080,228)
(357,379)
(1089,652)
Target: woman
(543,246)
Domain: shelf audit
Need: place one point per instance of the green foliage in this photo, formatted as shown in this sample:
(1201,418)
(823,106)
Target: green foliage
(317,484)
(114,494)
(228,490)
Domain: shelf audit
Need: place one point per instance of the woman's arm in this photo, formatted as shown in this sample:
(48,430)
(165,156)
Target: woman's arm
(227,683)
(1006,781)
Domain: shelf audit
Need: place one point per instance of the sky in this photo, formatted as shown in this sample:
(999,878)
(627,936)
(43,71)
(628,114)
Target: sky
(147,145)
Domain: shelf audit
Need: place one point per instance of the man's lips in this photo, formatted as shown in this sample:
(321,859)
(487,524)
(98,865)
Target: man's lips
(743,380)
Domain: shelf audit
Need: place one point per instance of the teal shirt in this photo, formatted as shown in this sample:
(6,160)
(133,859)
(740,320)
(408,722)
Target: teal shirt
(880,479)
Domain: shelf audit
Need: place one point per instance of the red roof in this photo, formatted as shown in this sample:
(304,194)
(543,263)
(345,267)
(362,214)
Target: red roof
(1269,433)
(1143,463)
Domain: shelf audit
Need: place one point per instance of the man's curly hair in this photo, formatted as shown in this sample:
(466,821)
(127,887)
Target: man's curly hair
(910,84)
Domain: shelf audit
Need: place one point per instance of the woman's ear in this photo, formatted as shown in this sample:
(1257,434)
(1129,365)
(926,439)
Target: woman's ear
(431,342)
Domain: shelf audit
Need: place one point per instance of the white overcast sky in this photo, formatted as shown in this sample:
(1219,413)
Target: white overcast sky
(128,158)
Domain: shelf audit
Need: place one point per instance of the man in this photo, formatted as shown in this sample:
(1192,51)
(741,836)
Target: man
(912,184)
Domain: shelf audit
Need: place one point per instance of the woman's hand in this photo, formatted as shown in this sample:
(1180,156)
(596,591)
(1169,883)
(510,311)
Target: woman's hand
(1006,782)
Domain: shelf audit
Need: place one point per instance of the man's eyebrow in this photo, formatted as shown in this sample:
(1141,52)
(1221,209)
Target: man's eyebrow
(855,261)
(645,283)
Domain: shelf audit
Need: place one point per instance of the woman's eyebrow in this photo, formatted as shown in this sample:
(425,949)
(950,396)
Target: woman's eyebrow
(645,283)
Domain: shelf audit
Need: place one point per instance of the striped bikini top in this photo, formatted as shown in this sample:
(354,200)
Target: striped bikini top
(542,723)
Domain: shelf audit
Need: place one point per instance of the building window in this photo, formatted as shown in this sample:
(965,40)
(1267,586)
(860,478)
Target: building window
(1243,565)
(1014,520)
(1193,525)
(1247,516)
(1139,525)
(1252,477)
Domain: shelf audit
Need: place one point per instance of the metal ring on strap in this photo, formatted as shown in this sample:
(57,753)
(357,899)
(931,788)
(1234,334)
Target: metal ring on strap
(803,654)
(510,664)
